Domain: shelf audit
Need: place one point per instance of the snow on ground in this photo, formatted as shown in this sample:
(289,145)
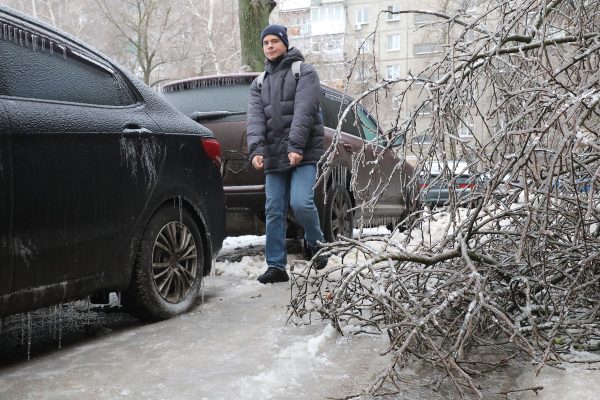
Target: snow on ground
(238,344)
(577,381)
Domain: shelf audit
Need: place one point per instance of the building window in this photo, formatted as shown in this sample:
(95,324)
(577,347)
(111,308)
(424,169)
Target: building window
(422,138)
(363,46)
(327,20)
(362,16)
(426,109)
(393,42)
(392,72)
(392,9)
(333,45)
(315,46)
(361,74)
(465,129)
(427,48)
(326,14)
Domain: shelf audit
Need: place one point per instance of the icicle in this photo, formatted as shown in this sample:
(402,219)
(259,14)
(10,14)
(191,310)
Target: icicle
(88,310)
(50,319)
(73,315)
(28,336)
(22,329)
(202,290)
(213,269)
(43,315)
(54,322)
(60,327)
(180,210)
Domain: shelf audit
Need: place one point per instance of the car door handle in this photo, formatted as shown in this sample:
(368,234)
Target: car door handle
(348,147)
(136,130)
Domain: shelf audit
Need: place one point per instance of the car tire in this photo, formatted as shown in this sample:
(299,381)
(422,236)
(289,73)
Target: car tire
(409,217)
(169,267)
(337,221)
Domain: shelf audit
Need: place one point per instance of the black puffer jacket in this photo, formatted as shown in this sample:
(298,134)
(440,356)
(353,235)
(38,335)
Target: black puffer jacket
(285,116)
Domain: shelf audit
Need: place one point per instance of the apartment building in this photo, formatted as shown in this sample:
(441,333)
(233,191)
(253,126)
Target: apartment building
(357,43)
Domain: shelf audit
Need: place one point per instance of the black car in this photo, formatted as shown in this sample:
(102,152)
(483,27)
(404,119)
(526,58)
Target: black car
(220,102)
(451,181)
(103,185)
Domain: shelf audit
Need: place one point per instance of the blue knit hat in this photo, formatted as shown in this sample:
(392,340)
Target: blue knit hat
(278,30)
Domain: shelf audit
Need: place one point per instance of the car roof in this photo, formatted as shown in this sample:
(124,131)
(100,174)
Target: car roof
(208,81)
(456,167)
(51,31)
(225,79)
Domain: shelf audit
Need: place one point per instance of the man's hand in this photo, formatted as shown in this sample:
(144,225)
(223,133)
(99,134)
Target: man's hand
(257,162)
(295,158)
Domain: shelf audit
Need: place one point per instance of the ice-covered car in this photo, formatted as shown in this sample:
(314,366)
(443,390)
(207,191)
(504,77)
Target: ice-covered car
(220,103)
(451,181)
(104,186)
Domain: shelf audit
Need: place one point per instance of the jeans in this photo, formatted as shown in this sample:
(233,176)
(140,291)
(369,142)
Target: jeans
(293,187)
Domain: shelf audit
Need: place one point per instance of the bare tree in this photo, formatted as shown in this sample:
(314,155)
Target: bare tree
(219,49)
(146,27)
(254,16)
(518,272)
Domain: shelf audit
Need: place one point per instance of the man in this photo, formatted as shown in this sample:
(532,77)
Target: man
(285,138)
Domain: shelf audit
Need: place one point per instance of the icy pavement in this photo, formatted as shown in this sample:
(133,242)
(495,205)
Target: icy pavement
(237,345)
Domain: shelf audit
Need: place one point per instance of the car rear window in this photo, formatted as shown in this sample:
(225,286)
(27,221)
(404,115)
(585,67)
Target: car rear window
(228,97)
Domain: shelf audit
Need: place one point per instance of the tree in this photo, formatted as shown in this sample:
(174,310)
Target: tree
(219,29)
(254,16)
(146,26)
(519,271)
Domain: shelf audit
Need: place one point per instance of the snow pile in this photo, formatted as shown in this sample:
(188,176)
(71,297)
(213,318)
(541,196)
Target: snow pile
(249,267)
(291,368)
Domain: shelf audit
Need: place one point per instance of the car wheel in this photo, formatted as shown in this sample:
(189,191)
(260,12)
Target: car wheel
(338,221)
(169,267)
(409,217)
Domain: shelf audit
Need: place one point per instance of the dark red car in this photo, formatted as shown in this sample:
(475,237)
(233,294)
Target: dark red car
(220,103)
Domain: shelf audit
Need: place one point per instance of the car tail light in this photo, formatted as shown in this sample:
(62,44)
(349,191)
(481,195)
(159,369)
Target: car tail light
(466,186)
(212,148)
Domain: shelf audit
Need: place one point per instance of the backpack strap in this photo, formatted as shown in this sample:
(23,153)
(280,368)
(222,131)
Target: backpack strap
(295,70)
(260,79)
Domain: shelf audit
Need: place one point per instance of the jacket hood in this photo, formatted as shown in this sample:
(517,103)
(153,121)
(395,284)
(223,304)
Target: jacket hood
(292,55)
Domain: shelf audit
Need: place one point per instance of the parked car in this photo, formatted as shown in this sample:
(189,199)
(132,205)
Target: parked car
(452,180)
(220,103)
(104,186)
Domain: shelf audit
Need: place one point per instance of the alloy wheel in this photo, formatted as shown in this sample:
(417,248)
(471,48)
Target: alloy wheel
(340,217)
(174,261)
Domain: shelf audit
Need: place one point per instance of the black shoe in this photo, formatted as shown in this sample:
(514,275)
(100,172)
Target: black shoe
(306,250)
(320,261)
(273,275)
